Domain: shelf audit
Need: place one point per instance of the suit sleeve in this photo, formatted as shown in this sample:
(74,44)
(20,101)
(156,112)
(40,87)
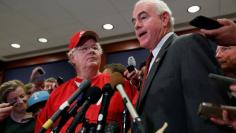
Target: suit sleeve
(195,64)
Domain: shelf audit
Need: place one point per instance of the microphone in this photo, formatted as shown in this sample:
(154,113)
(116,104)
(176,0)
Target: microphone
(92,96)
(117,80)
(131,64)
(112,127)
(60,80)
(66,115)
(82,87)
(107,94)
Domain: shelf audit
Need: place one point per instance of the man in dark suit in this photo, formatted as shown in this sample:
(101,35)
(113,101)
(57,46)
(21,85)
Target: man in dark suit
(177,80)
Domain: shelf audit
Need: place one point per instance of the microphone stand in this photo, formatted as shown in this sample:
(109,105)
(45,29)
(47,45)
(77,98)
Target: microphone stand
(125,120)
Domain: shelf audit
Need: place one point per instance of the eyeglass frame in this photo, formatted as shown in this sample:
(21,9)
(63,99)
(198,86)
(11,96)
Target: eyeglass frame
(87,48)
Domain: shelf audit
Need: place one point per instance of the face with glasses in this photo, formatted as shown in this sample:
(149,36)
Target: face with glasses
(87,55)
(226,57)
(19,98)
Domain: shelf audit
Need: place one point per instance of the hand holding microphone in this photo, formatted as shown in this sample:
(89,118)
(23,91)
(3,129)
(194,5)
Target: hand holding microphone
(132,73)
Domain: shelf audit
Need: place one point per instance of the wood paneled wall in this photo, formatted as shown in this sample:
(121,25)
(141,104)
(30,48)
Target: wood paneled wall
(108,48)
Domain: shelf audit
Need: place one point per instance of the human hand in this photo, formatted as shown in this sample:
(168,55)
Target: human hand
(133,77)
(37,71)
(226,35)
(233,89)
(225,120)
(50,87)
(5,110)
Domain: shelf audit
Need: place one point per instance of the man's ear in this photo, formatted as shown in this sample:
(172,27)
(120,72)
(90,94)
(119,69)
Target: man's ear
(71,58)
(165,18)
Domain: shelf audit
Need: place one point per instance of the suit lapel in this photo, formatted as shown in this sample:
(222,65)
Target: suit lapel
(155,68)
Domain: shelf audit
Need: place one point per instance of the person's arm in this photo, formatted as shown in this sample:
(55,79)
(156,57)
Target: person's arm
(36,73)
(196,59)
(5,110)
(226,35)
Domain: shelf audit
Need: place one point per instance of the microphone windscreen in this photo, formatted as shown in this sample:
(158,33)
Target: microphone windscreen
(41,71)
(131,61)
(93,94)
(107,88)
(116,78)
(60,80)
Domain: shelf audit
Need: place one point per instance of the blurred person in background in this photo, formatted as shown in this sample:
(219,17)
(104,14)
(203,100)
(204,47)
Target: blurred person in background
(30,88)
(36,102)
(226,56)
(19,120)
(50,84)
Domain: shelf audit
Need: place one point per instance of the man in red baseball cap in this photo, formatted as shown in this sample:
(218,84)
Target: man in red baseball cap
(85,55)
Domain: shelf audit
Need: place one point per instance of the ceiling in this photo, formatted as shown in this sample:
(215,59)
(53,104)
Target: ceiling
(23,21)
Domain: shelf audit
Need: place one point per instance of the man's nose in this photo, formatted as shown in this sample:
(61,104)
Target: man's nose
(219,54)
(137,25)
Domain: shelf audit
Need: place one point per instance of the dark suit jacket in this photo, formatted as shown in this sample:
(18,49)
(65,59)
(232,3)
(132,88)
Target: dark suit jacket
(177,83)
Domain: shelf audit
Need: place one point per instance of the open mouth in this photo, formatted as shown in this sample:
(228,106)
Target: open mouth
(92,58)
(142,34)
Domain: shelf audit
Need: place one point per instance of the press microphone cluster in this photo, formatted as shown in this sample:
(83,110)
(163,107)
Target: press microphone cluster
(117,81)
(93,94)
(71,112)
(81,88)
(131,64)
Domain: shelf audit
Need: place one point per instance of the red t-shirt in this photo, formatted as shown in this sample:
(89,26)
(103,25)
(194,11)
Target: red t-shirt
(64,91)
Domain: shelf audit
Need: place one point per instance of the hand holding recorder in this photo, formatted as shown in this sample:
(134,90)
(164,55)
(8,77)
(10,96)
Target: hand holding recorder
(222,30)
(219,114)
(5,110)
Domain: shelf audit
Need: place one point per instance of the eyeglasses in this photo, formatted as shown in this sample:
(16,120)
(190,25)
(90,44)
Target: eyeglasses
(85,49)
(223,49)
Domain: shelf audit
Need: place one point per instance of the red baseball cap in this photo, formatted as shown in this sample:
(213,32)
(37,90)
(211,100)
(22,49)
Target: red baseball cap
(75,39)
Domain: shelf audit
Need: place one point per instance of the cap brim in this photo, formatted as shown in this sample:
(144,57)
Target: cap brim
(36,106)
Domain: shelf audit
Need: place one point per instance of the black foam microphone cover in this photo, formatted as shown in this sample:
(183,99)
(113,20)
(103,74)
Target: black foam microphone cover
(93,94)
